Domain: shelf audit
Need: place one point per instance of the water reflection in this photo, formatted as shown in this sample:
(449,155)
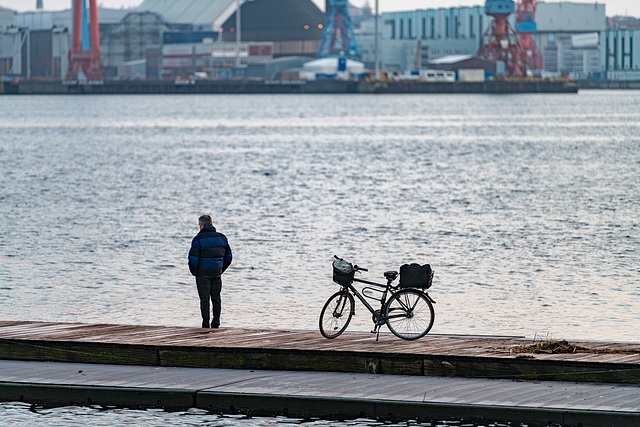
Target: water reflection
(16,413)
(526,206)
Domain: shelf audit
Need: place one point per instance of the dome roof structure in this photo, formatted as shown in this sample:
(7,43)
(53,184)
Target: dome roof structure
(330,66)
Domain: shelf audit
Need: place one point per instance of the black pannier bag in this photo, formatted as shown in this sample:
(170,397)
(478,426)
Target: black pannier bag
(343,271)
(416,276)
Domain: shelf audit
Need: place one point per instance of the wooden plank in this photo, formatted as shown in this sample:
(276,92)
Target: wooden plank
(103,333)
(26,331)
(11,323)
(622,358)
(142,336)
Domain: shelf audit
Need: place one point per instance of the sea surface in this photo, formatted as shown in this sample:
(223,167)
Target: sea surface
(526,206)
(17,413)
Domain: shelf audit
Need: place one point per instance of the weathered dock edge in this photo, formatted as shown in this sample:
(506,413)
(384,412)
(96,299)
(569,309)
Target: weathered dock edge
(319,360)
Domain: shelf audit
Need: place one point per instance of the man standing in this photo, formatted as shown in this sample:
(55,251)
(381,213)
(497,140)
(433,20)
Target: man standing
(209,257)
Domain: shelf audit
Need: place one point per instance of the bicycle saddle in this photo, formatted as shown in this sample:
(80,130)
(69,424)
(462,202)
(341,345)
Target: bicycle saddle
(391,275)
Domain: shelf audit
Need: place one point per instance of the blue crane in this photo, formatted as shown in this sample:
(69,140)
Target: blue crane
(338,37)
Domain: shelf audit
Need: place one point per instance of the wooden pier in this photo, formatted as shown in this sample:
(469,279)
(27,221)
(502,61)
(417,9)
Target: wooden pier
(330,395)
(302,374)
(433,355)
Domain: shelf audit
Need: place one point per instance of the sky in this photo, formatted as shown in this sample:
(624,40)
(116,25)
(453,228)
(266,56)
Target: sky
(613,7)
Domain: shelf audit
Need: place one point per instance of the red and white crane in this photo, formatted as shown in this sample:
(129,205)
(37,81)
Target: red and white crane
(500,42)
(84,57)
(525,27)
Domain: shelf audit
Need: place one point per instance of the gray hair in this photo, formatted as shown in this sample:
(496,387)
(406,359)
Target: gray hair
(205,220)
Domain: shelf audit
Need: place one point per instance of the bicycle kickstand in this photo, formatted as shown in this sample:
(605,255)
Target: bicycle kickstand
(376,330)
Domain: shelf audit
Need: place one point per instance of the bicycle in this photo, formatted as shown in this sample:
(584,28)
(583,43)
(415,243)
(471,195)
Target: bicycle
(408,313)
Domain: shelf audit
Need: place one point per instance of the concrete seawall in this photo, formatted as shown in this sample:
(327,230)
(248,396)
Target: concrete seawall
(121,87)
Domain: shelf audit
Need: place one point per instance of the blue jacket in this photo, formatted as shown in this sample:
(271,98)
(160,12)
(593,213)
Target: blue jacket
(210,254)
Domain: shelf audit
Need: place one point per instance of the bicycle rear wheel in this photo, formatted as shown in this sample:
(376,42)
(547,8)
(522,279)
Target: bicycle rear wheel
(409,314)
(336,314)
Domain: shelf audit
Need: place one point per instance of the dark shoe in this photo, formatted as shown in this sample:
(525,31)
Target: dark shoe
(205,324)
(215,327)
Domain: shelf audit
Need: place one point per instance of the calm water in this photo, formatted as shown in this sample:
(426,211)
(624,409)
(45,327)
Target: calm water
(16,413)
(526,206)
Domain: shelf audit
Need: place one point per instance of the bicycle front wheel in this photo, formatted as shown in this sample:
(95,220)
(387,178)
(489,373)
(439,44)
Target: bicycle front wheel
(409,314)
(336,314)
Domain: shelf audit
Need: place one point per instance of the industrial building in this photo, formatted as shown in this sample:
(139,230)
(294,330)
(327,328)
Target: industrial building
(409,40)
(620,56)
(170,38)
(136,37)
(6,18)
(294,26)
(211,43)
(37,44)
(7,42)
(285,27)
(572,37)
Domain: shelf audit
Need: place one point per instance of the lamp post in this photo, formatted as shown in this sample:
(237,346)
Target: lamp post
(238,32)
(377,30)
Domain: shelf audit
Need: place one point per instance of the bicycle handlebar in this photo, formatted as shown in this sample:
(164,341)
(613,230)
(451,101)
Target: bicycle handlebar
(354,266)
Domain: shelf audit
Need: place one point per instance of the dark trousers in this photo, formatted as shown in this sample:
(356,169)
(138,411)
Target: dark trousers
(209,289)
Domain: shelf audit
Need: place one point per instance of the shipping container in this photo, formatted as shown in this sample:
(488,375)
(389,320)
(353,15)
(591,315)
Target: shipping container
(438,75)
(133,70)
(471,75)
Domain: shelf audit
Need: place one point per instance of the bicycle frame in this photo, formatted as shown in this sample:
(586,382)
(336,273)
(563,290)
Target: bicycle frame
(379,316)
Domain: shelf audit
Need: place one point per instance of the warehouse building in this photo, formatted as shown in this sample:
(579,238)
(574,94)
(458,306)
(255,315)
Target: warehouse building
(620,54)
(37,44)
(565,36)
(412,39)
(294,26)
(127,36)
(6,18)
(214,47)
(167,38)
(136,37)
(7,43)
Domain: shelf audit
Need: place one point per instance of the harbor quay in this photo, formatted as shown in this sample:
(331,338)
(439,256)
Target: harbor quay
(244,86)
(300,373)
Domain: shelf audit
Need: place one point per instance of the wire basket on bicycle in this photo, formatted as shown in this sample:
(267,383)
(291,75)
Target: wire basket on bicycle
(343,271)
